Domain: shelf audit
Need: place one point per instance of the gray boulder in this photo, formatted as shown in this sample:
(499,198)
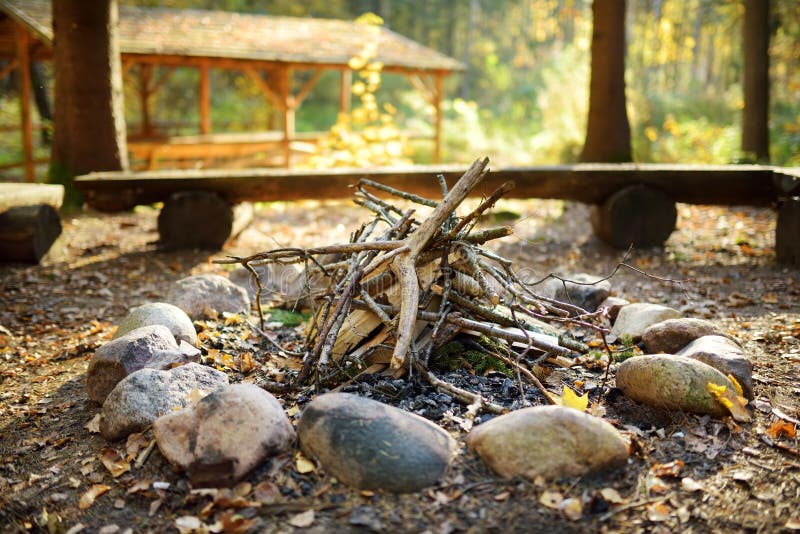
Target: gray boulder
(548,441)
(204,295)
(634,319)
(161,313)
(225,435)
(726,356)
(147,394)
(284,284)
(670,336)
(151,347)
(373,446)
(586,293)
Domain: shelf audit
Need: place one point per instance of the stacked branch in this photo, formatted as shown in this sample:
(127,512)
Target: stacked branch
(404,286)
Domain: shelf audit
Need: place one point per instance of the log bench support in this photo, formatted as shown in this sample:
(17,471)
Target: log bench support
(637,215)
(200,219)
(29,221)
(787,232)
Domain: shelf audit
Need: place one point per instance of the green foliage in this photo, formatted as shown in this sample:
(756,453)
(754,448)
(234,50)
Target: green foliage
(287,317)
(627,350)
(59,174)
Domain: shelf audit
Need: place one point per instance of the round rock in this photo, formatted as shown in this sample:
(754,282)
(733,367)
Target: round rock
(144,396)
(548,441)
(672,382)
(149,346)
(373,446)
(225,435)
(161,313)
(633,319)
(726,356)
(206,294)
(670,336)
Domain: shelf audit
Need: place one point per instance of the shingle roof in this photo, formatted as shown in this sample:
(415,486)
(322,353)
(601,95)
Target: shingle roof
(223,34)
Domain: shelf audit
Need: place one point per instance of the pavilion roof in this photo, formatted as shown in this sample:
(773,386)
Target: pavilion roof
(241,36)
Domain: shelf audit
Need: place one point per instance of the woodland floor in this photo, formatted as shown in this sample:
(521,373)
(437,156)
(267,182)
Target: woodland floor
(54,315)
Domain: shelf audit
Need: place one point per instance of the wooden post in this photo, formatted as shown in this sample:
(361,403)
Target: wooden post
(205,99)
(24,70)
(437,118)
(345,91)
(145,74)
(285,87)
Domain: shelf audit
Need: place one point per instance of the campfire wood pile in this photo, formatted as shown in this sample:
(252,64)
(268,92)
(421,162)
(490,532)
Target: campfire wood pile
(404,286)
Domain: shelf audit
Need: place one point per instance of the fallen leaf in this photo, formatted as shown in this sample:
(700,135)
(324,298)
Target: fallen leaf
(691,485)
(77,527)
(502,496)
(293,410)
(598,410)
(93,426)
(570,399)
(656,485)
(154,506)
(792,524)
(134,444)
(658,512)
(669,469)
(781,429)
(233,523)
(571,508)
(302,520)
(551,499)
(187,524)
(88,498)
(303,465)
(735,404)
(139,486)
(611,495)
(115,463)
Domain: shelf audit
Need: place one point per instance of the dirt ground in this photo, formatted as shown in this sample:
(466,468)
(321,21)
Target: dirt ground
(724,479)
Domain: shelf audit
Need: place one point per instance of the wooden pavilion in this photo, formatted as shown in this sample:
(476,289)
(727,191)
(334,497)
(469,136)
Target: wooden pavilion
(268,49)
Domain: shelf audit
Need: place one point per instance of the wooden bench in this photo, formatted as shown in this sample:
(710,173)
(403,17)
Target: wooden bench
(29,221)
(634,203)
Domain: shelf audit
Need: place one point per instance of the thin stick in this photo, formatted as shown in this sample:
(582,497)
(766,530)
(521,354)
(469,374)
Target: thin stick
(396,192)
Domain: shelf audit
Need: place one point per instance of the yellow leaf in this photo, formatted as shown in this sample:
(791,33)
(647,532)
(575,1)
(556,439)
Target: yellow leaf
(570,399)
(87,499)
(303,465)
(736,385)
(734,403)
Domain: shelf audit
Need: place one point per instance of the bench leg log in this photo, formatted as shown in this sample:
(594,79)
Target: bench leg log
(28,232)
(636,215)
(200,219)
(787,232)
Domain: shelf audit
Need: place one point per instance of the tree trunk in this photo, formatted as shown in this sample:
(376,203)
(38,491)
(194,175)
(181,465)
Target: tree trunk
(755,130)
(608,133)
(89,130)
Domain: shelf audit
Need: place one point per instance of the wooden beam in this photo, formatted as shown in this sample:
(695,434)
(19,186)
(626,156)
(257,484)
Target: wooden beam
(126,65)
(205,99)
(5,71)
(307,87)
(145,74)
(285,89)
(345,91)
(162,79)
(264,86)
(438,89)
(419,84)
(24,71)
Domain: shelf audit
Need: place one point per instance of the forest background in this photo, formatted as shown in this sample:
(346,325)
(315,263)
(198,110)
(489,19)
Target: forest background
(524,96)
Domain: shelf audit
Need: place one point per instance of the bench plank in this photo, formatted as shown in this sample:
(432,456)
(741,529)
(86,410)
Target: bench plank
(589,183)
